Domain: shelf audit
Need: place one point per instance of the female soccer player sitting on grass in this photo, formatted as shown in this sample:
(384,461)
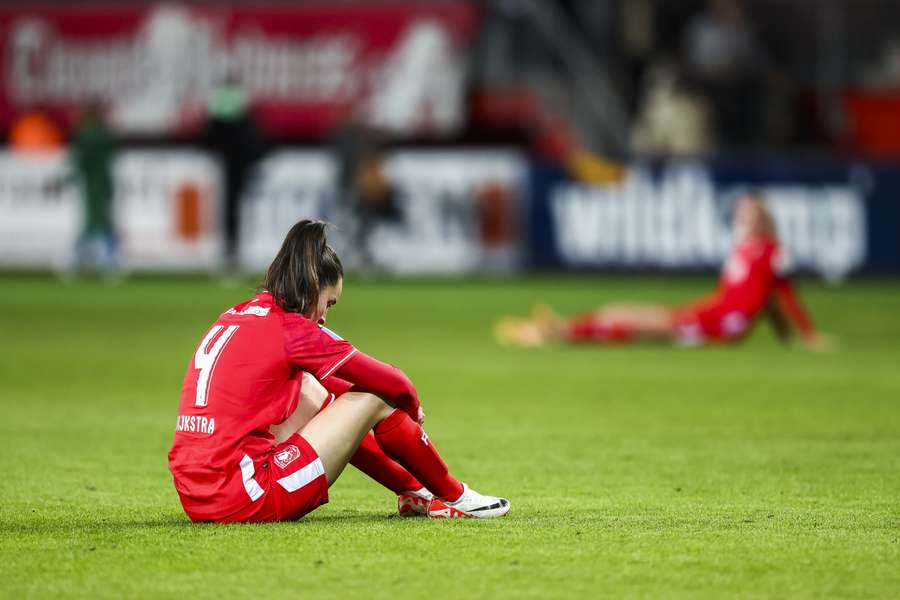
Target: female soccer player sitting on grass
(274,406)
(752,282)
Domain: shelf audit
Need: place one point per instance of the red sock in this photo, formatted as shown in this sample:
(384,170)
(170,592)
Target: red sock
(403,439)
(371,460)
(591,328)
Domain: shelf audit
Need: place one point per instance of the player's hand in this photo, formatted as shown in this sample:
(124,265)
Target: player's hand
(820,342)
(421,418)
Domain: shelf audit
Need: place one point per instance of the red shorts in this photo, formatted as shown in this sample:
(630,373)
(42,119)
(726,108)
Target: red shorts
(698,324)
(292,480)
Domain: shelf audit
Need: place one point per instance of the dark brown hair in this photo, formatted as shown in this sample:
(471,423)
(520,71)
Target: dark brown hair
(303,266)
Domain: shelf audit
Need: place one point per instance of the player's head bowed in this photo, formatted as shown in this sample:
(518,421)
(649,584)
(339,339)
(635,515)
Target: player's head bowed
(306,275)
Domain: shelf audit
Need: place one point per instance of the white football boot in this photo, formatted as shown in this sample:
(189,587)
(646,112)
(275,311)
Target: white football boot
(471,505)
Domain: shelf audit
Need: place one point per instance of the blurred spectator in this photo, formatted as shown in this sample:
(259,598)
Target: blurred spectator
(720,47)
(91,154)
(673,120)
(363,189)
(725,57)
(883,73)
(639,42)
(506,48)
(232,133)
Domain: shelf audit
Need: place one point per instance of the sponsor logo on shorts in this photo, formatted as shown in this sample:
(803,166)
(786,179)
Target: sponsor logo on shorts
(287,455)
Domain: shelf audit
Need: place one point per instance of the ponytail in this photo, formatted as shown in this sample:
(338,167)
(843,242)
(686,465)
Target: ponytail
(304,265)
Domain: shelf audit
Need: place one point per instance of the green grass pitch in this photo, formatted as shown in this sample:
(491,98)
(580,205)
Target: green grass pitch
(753,471)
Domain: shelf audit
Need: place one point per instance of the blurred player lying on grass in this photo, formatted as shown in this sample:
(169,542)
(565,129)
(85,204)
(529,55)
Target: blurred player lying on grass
(274,406)
(752,283)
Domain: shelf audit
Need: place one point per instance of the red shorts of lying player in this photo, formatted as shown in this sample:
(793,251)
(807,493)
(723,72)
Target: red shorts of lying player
(752,284)
(274,406)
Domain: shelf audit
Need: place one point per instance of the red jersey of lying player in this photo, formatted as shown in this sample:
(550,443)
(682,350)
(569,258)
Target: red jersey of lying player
(753,277)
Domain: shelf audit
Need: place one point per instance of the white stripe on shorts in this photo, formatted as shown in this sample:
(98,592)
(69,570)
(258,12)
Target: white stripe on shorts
(254,490)
(302,477)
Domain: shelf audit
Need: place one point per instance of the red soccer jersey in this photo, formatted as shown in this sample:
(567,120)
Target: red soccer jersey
(242,379)
(753,275)
(747,278)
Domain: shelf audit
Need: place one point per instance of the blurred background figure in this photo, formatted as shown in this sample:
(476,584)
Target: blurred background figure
(233,135)
(673,120)
(438,134)
(725,58)
(364,194)
(753,283)
(92,151)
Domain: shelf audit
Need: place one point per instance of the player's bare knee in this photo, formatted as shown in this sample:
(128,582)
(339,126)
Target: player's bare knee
(312,392)
(374,405)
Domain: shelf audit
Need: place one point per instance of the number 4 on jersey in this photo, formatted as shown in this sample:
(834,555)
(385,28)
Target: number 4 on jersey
(206,357)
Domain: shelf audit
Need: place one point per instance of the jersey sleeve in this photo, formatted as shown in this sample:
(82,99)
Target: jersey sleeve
(316,350)
(367,374)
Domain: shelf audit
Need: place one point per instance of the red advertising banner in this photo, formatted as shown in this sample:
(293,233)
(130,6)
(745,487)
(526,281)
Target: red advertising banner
(304,68)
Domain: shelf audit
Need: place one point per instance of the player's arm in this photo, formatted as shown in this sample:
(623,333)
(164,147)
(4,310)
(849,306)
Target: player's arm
(794,314)
(367,374)
(787,310)
(791,308)
(337,386)
(324,354)
(55,185)
(780,325)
